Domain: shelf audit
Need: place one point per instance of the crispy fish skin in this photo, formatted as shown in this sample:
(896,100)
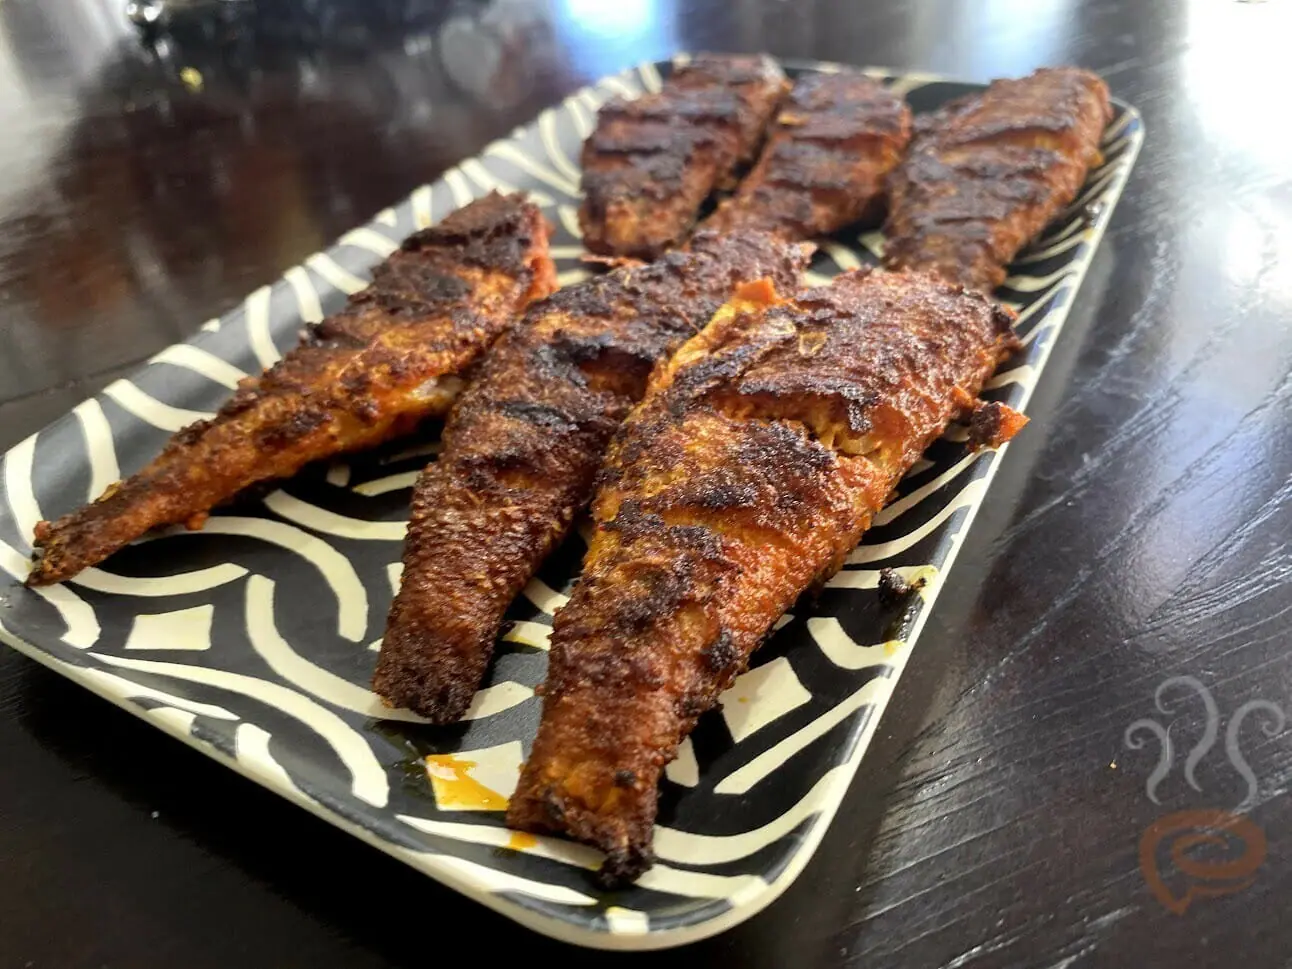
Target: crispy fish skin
(753,466)
(827,157)
(986,173)
(386,361)
(521,449)
(651,162)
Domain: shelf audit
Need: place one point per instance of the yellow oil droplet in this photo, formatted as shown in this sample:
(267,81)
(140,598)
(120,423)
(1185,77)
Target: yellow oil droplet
(520,840)
(192,78)
(455,788)
(922,578)
(892,646)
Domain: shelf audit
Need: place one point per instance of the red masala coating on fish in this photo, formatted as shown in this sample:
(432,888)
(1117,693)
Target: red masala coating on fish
(522,446)
(757,460)
(827,157)
(374,370)
(651,162)
(986,173)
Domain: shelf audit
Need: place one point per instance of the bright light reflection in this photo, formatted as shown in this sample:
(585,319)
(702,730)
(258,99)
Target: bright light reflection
(1011,37)
(1244,245)
(990,38)
(605,36)
(1235,70)
(611,18)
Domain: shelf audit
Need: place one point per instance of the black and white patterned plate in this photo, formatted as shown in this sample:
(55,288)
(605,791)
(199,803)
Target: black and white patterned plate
(253,640)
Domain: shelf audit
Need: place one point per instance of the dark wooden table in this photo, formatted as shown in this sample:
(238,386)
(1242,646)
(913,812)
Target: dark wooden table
(1138,530)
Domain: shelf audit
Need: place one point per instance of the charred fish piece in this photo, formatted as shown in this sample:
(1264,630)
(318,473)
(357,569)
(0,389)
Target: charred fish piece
(522,446)
(759,457)
(651,162)
(826,161)
(986,173)
(392,357)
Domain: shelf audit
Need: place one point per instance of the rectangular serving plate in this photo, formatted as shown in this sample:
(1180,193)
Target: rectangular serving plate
(254,639)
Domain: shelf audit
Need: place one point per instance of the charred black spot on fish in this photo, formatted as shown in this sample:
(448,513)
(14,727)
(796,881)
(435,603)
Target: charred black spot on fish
(993,423)
(894,589)
(296,426)
(538,414)
(552,807)
(721,654)
(623,865)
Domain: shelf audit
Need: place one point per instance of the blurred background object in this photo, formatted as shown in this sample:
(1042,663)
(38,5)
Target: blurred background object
(167,167)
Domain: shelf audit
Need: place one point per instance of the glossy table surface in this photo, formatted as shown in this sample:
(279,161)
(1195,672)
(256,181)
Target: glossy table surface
(1137,532)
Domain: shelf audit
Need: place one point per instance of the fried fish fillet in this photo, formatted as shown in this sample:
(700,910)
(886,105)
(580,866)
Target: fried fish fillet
(827,157)
(522,446)
(651,163)
(986,173)
(756,461)
(389,359)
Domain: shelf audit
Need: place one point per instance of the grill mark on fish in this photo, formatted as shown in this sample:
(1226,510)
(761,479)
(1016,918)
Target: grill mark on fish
(521,451)
(731,489)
